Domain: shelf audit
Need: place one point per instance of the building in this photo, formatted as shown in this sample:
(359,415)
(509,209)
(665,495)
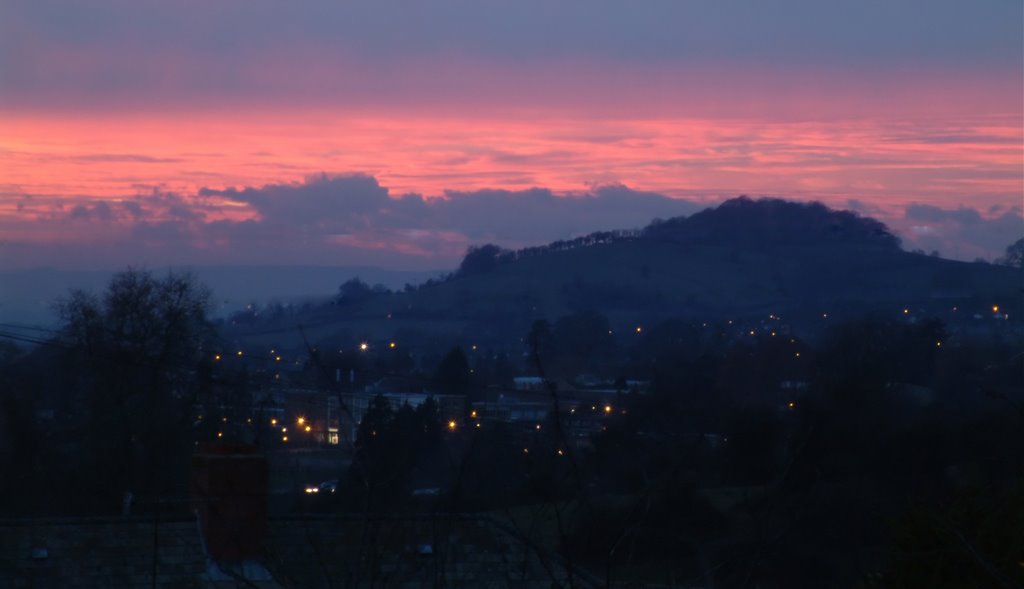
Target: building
(300,416)
(397,392)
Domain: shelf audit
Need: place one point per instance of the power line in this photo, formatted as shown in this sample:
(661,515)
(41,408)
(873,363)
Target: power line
(31,340)
(29,327)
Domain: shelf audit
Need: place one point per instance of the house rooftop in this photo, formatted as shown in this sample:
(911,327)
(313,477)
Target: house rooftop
(309,552)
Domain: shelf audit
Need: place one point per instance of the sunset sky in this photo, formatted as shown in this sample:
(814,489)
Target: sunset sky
(397,133)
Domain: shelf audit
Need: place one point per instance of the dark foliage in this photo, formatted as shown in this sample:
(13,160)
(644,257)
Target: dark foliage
(744,221)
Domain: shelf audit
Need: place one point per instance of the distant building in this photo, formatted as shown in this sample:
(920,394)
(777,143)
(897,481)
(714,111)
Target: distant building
(513,409)
(300,416)
(528,383)
(398,392)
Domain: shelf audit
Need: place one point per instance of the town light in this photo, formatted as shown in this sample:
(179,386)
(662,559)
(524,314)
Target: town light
(472,413)
(217,358)
(277,358)
(239,353)
(607,408)
(452,425)
(309,428)
(220,434)
(639,329)
(791,404)
(995,308)
(301,420)
(312,490)
(273,421)
(392,345)
(363,346)
(284,438)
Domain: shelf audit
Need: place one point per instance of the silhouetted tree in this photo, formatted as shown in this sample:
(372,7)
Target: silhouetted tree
(138,347)
(452,375)
(1014,256)
(541,343)
(480,259)
(583,343)
(390,447)
(354,291)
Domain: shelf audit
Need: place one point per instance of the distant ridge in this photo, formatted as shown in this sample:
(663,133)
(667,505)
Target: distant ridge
(740,222)
(745,221)
(744,258)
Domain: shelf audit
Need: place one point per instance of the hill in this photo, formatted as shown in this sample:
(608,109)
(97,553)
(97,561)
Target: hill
(27,295)
(745,258)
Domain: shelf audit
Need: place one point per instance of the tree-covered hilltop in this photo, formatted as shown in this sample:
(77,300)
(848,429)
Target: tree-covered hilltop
(744,221)
(744,258)
(738,222)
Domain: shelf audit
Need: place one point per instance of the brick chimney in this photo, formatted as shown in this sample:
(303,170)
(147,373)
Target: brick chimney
(229,493)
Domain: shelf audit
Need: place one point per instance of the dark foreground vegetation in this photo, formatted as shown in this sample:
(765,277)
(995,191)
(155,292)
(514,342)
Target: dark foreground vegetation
(882,450)
(888,454)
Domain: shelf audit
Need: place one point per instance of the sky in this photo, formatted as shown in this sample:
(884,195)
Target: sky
(396,134)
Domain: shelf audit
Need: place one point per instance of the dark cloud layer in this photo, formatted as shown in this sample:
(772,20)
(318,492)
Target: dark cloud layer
(352,219)
(356,205)
(963,232)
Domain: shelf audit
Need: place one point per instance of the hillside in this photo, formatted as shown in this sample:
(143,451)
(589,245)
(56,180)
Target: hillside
(744,258)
